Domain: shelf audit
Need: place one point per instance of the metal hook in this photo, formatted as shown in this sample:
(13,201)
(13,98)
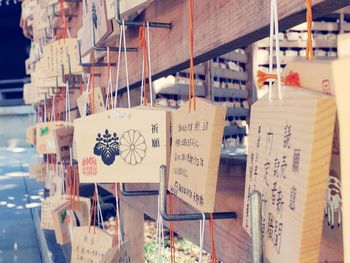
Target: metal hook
(125,192)
(89,65)
(137,23)
(185,217)
(256,226)
(104,48)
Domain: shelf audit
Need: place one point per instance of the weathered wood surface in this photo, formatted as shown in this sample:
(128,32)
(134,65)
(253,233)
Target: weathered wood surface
(220,26)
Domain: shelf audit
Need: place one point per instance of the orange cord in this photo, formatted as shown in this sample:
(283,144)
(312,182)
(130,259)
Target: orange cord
(213,253)
(172,229)
(94,210)
(109,98)
(292,79)
(309,48)
(192,88)
(76,190)
(143,45)
(92,85)
(62,32)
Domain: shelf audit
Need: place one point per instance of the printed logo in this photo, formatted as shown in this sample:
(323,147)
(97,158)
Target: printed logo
(44,131)
(132,147)
(107,147)
(89,166)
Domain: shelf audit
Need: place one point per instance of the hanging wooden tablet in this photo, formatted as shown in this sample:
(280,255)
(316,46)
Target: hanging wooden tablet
(96,16)
(117,255)
(99,102)
(37,171)
(317,75)
(45,142)
(127,7)
(122,145)
(195,153)
(288,162)
(63,138)
(65,218)
(31,134)
(61,52)
(48,205)
(88,246)
(340,78)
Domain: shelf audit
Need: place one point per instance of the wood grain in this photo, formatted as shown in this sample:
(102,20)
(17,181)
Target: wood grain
(220,26)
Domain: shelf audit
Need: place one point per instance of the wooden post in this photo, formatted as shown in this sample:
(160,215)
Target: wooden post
(133,221)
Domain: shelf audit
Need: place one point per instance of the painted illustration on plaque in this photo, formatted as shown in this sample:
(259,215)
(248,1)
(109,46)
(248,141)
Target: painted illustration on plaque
(107,147)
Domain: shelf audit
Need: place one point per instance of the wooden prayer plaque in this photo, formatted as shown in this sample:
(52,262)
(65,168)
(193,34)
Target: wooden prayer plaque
(31,135)
(342,92)
(48,205)
(288,161)
(88,246)
(37,171)
(63,138)
(122,145)
(317,75)
(195,153)
(65,218)
(117,255)
(45,142)
(99,102)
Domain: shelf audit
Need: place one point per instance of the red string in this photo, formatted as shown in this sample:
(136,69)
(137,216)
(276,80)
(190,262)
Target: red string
(62,32)
(212,241)
(92,83)
(172,229)
(94,211)
(143,45)
(76,192)
(309,48)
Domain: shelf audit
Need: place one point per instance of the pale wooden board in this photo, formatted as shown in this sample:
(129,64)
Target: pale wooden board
(117,255)
(195,155)
(317,75)
(288,162)
(48,205)
(56,54)
(37,171)
(342,92)
(89,246)
(44,136)
(131,126)
(31,134)
(63,138)
(103,27)
(99,102)
(64,218)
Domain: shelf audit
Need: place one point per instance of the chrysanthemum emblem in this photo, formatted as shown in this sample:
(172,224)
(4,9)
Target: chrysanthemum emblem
(132,147)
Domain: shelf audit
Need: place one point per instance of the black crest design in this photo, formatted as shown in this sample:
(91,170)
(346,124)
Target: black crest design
(107,147)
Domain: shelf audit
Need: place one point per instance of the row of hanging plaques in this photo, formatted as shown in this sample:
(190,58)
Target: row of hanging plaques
(288,162)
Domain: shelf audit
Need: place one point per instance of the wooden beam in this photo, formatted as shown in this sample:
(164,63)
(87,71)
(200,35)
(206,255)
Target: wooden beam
(220,26)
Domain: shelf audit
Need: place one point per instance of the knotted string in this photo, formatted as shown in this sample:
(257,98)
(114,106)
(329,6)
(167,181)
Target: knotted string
(292,79)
